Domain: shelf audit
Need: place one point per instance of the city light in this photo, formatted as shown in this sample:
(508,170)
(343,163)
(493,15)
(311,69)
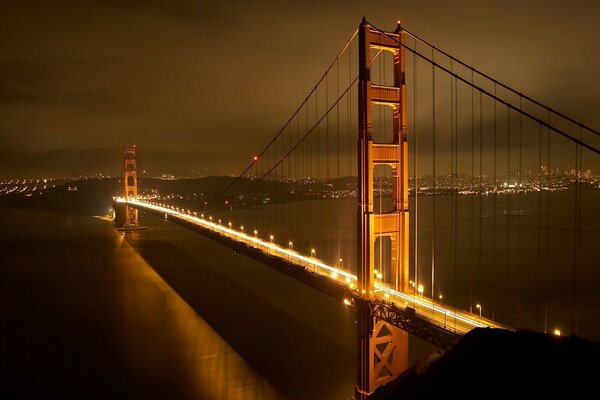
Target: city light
(557,332)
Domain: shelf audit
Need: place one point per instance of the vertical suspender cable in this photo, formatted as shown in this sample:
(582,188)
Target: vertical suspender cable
(539,230)
(434,183)
(519,211)
(546,265)
(506,272)
(576,237)
(416,175)
(480,195)
(495,198)
(337,127)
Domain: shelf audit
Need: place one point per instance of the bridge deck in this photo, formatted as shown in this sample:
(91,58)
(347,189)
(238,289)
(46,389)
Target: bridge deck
(432,321)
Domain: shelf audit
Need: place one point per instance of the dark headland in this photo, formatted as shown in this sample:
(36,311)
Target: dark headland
(496,363)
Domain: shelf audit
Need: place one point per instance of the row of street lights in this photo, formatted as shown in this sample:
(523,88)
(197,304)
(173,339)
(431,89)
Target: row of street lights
(419,287)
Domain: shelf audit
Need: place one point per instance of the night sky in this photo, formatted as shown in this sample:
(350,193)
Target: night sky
(198,84)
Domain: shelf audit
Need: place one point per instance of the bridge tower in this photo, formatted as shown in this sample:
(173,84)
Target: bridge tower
(130,183)
(382,348)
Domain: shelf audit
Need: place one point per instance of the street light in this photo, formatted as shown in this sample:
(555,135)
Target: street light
(441,297)
(291,245)
(420,290)
(255,233)
(557,332)
(230,225)
(242,228)
(341,263)
(479,307)
(271,237)
(312,252)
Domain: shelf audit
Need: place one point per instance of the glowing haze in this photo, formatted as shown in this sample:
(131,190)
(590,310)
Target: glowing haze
(201,85)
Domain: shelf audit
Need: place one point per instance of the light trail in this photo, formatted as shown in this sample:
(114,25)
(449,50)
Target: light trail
(445,317)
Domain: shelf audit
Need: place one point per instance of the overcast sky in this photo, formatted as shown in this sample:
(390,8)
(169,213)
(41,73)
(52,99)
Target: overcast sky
(198,84)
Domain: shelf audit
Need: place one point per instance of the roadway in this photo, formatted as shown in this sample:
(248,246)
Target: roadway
(445,317)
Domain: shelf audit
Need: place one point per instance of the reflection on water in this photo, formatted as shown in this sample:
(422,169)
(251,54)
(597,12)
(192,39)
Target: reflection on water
(148,306)
(84,316)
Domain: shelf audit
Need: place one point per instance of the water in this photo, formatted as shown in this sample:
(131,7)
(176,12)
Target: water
(85,316)
(166,313)
(161,313)
(512,255)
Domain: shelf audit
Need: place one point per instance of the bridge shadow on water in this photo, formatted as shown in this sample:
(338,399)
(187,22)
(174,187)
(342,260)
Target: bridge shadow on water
(300,340)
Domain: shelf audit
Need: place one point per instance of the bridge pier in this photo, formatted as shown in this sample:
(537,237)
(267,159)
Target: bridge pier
(382,348)
(130,183)
(382,351)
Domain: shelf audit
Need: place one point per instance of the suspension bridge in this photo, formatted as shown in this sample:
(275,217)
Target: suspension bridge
(472,225)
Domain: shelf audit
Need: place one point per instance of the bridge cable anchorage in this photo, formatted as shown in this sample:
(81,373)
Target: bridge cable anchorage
(239,177)
(503,85)
(498,99)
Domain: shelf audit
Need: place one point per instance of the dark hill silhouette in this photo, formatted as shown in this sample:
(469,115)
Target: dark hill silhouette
(496,363)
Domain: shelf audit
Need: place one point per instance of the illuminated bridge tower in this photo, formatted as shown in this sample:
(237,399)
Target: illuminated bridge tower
(130,182)
(382,348)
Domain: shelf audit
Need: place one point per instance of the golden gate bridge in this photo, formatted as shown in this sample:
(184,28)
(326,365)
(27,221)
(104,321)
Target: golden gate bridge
(452,174)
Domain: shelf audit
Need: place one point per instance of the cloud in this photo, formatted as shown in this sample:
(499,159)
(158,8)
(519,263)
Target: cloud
(206,84)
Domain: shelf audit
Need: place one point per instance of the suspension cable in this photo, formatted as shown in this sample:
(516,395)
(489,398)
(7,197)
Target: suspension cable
(493,95)
(503,85)
(239,177)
